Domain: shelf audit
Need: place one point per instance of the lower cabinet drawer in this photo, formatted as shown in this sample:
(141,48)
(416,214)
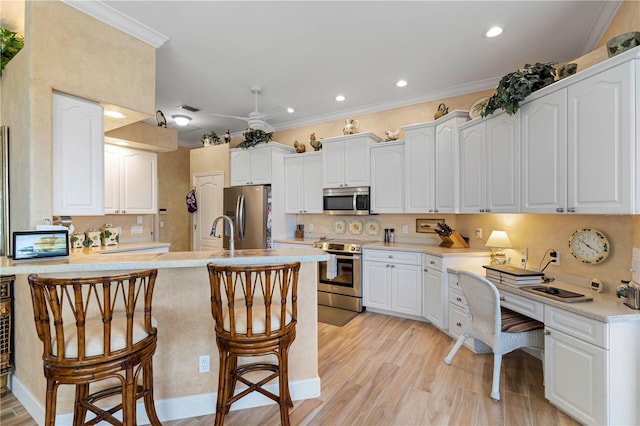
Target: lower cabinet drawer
(578,326)
(457,321)
(456,297)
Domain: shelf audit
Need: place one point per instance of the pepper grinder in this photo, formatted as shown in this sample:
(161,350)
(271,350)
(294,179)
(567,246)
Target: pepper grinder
(386,235)
(392,232)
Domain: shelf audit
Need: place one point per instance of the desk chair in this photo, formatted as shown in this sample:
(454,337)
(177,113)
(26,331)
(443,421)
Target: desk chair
(255,310)
(500,328)
(95,329)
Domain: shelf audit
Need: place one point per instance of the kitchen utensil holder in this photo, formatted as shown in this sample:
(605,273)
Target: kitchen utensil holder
(455,240)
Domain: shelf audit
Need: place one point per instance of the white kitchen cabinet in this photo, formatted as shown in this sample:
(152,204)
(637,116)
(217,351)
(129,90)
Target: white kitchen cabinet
(419,168)
(387,178)
(303,183)
(578,146)
(490,165)
(77,157)
(131,181)
(392,282)
(251,166)
(435,295)
(431,164)
(346,160)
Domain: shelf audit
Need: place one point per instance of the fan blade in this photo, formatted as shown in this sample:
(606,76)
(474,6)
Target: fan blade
(231,116)
(260,125)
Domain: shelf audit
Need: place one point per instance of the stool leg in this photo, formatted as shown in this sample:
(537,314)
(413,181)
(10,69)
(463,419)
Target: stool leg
(223,383)
(50,407)
(283,379)
(129,398)
(232,379)
(80,412)
(149,404)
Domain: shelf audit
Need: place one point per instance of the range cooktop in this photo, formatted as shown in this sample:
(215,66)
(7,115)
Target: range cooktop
(558,294)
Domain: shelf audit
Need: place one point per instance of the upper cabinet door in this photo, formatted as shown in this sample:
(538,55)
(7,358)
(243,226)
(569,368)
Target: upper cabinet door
(138,182)
(419,163)
(503,164)
(240,167)
(447,161)
(312,190)
(544,154)
(333,164)
(78,157)
(356,155)
(387,192)
(600,143)
(473,168)
(261,166)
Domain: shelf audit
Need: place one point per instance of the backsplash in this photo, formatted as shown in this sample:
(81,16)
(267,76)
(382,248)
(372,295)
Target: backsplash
(125,221)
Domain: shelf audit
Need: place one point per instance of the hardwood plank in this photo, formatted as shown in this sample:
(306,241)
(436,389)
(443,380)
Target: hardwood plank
(464,409)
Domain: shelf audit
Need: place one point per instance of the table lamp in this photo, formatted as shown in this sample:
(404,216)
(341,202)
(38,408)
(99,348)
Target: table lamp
(498,240)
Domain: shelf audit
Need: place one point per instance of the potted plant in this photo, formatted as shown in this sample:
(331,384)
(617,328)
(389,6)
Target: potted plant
(10,44)
(516,86)
(252,137)
(210,138)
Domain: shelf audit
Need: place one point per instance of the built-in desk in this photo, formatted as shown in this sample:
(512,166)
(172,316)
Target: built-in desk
(591,352)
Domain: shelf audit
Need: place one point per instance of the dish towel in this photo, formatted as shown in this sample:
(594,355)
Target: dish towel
(192,204)
(332,267)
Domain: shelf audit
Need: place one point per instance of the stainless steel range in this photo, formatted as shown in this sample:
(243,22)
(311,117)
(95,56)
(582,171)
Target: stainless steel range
(339,279)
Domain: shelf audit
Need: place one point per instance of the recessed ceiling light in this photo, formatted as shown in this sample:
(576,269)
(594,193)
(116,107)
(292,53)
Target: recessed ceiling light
(493,32)
(401,83)
(340,98)
(291,110)
(114,114)
(181,120)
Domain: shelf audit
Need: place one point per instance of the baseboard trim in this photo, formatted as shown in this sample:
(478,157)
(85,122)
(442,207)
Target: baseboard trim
(177,408)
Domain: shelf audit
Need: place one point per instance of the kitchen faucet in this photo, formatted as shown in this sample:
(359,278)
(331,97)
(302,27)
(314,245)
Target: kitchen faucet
(232,232)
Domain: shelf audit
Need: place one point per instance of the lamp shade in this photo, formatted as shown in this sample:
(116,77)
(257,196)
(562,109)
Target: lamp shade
(498,239)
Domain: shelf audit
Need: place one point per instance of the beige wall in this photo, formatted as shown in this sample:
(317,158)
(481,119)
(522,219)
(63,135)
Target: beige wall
(61,54)
(627,19)
(173,186)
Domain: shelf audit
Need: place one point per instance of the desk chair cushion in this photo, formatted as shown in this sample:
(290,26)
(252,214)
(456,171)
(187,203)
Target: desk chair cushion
(513,322)
(94,341)
(259,316)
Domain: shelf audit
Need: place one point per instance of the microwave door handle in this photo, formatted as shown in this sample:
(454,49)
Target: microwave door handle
(355,202)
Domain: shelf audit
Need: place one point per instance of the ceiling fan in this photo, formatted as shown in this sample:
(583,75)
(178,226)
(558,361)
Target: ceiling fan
(256,119)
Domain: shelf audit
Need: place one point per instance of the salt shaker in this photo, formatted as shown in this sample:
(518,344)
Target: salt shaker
(392,232)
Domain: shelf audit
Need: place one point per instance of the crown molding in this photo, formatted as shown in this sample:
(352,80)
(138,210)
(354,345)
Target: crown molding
(110,16)
(439,94)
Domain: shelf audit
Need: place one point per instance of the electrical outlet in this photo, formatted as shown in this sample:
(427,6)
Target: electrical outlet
(204,364)
(479,233)
(311,227)
(555,257)
(405,229)
(137,230)
(139,220)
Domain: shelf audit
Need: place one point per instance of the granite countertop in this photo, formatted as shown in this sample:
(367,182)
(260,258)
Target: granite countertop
(121,248)
(88,261)
(427,249)
(603,307)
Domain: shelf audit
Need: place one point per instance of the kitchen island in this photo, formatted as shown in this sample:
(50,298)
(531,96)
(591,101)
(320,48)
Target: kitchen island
(181,306)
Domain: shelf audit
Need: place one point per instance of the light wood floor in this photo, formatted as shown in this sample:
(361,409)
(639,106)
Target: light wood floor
(382,370)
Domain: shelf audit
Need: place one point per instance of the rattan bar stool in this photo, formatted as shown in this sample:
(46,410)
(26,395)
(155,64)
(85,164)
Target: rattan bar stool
(255,311)
(95,329)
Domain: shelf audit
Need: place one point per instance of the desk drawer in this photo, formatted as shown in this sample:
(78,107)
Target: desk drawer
(578,326)
(404,257)
(456,297)
(520,304)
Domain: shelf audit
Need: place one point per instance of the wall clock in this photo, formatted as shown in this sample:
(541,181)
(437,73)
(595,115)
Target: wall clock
(589,245)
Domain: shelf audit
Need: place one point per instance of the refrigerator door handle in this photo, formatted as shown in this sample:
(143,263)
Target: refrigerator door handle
(241,213)
(237,218)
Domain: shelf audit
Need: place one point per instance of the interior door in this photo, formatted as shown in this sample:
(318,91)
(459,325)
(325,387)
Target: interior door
(209,196)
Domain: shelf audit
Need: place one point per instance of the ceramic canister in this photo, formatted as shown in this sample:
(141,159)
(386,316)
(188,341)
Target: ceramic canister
(77,240)
(110,235)
(93,237)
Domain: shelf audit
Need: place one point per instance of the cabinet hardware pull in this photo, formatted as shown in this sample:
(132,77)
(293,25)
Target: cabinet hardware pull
(459,299)
(547,333)
(425,270)
(432,262)
(559,210)
(571,209)
(459,324)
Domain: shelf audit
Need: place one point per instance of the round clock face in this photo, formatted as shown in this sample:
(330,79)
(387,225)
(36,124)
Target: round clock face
(589,245)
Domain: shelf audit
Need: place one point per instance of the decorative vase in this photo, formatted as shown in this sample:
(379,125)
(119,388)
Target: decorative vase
(566,70)
(351,126)
(623,42)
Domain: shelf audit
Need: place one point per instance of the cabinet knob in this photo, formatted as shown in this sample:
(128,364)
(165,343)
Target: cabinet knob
(425,270)
(430,210)
(559,210)
(571,209)
(459,299)
(488,210)
(502,298)
(393,266)
(124,211)
(432,262)
(547,332)
(435,210)
(481,210)
(390,256)
(459,324)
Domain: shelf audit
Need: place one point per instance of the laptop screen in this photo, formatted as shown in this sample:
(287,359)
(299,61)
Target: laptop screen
(40,244)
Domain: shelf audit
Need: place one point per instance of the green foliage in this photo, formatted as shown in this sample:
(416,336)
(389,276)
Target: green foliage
(252,137)
(210,138)
(516,86)
(10,44)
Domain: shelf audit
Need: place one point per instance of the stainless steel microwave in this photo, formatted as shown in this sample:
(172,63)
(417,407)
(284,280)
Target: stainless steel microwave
(346,201)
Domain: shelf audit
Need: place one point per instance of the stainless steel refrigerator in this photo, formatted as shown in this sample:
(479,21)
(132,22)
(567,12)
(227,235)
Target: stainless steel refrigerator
(249,207)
